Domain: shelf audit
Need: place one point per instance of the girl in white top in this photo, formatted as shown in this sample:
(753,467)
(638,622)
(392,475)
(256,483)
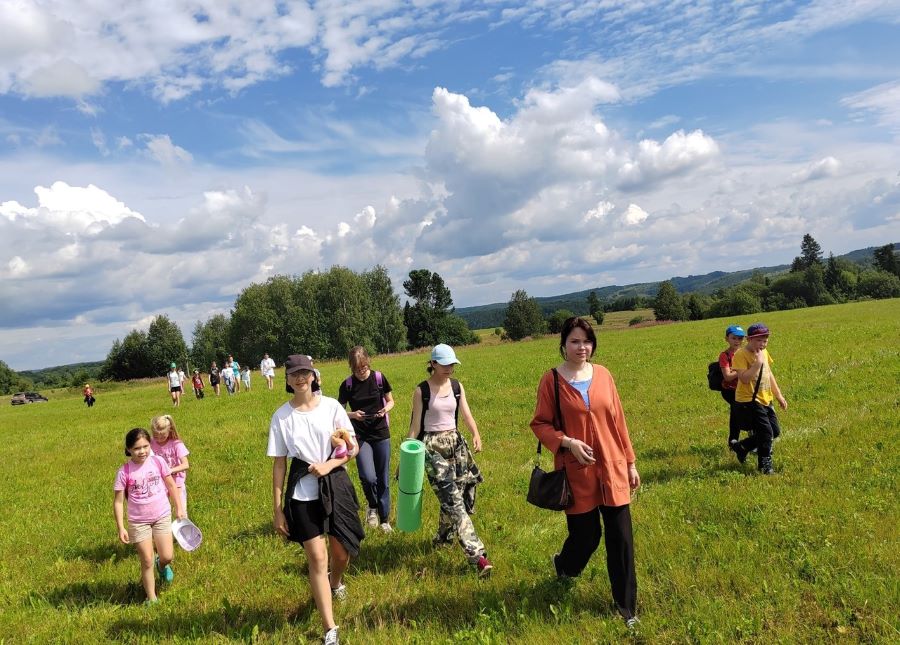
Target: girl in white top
(302,429)
(174,384)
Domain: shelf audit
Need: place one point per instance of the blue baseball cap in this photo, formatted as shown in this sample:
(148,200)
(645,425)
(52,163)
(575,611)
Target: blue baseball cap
(736,330)
(444,355)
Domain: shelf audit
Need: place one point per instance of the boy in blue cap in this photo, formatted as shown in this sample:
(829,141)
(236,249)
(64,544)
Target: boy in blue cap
(755,392)
(734,336)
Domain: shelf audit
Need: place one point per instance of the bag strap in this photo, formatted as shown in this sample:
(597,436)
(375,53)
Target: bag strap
(557,413)
(758,380)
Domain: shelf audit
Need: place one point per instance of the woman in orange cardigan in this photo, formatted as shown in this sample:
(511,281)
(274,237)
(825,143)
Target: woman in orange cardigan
(593,446)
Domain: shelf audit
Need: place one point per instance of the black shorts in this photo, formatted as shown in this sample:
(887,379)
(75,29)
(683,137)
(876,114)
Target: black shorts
(307,519)
(177,388)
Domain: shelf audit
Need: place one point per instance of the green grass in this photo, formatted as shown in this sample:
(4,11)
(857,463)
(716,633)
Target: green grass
(723,555)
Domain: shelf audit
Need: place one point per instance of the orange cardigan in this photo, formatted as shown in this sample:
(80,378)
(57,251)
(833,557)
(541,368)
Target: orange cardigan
(603,428)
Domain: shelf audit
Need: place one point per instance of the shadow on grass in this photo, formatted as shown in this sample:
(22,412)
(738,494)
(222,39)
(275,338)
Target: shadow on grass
(549,600)
(104,552)
(264,529)
(87,594)
(230,621)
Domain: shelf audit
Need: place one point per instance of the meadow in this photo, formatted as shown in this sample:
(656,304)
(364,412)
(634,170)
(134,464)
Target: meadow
(811,554)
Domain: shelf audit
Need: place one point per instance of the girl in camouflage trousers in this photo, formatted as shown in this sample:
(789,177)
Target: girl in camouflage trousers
(449,464)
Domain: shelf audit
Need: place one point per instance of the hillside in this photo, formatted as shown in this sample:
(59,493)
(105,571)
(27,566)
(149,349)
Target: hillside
(491,315)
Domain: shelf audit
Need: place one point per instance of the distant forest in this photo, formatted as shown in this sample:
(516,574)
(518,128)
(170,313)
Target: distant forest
(329,312)
(641,295)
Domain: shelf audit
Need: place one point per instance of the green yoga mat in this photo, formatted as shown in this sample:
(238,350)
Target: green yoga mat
(412,475)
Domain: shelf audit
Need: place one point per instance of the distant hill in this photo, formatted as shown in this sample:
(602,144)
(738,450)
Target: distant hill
(492,315)
(61,375)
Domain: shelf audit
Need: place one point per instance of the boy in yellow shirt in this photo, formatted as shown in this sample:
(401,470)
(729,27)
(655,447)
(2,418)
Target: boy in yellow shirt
(756,390)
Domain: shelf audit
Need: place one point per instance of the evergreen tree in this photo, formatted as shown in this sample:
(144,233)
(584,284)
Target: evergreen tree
(810,252)
(523,316)
(885,259)
(668,305)
(595,307)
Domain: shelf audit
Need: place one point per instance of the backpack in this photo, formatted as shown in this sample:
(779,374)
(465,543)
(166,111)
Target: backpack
(714,376)
(379,381)
(426,396)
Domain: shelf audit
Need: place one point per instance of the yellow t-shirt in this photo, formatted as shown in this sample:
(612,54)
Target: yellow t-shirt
(742,360)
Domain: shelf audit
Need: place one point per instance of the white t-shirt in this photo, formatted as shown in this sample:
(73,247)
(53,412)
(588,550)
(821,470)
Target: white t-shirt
(174,379)
(267,367)
(307,435)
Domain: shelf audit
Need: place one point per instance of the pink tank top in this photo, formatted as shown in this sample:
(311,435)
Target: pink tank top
(441,413)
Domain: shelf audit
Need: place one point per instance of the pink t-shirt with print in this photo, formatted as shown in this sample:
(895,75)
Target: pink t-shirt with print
(173,451)
(145,489)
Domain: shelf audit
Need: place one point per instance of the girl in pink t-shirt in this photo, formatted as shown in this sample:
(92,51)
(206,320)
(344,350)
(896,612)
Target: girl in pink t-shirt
(167,444)
(146,482)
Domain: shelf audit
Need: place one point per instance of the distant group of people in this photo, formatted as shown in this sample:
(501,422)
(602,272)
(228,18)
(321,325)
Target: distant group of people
(231,375)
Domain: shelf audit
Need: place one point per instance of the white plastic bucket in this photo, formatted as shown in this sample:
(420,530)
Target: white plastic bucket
(187,534)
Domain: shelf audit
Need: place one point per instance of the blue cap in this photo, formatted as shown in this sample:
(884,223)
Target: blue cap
(737,330)
(444,355)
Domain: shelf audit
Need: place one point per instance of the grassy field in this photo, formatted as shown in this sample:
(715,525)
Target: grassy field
(723,555)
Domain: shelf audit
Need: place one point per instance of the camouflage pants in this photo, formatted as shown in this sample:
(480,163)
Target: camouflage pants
(453,476)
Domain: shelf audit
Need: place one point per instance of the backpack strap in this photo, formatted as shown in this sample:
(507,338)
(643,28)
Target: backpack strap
(127,477)
(379,381)
(425,391)
(758,381)
(457,392)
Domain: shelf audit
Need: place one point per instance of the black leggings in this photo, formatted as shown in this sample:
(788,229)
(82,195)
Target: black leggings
(583,540)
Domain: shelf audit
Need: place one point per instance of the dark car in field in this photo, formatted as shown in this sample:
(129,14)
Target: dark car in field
(21,398)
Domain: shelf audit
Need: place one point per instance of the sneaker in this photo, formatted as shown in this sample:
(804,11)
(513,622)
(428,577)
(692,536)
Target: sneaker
(165,573)
(386,527)
(339,593)
(372,517)
(740,452)
(484,566)
(559,574)
(632,623)
(150,603)
(331,637)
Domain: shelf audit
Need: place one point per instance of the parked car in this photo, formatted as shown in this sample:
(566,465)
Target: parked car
(21,398)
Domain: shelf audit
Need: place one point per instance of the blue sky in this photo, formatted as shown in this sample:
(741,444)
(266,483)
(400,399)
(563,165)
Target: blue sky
(160,157)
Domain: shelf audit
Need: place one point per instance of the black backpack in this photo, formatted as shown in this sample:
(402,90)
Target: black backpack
(714,376)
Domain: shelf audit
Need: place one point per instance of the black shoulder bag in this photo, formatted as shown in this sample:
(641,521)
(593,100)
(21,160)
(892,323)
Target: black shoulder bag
(550,490)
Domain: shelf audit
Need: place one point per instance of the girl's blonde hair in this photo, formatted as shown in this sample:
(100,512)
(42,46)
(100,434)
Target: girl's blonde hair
(165,421)
(358,356)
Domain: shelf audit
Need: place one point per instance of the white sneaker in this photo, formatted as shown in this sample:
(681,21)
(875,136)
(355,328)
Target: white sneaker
(339,593)
(372,517)
(386,527)
(331,637)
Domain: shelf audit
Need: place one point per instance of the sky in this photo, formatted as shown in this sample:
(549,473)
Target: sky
(156,157)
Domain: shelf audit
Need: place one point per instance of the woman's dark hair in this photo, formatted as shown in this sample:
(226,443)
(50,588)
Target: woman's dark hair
(429,366)
(569,326)
(132,438)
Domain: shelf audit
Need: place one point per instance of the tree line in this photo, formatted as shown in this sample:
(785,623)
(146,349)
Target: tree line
(811,281)
(323,314)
